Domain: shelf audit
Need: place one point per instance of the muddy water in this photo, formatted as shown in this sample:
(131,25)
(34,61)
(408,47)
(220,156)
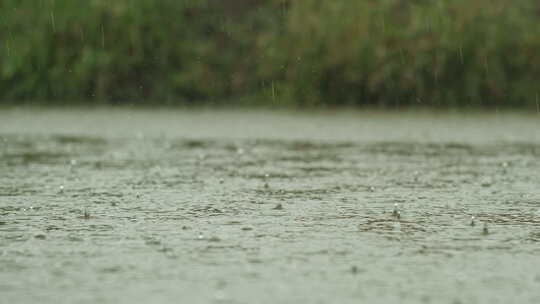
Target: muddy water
(118,206)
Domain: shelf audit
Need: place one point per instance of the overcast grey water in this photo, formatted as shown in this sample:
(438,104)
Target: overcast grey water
(209,206)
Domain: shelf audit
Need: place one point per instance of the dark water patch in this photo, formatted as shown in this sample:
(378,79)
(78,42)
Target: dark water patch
(410,149)
(447,149)
(310,158)
(304,146)
(14,237)
(100,227)
(10,209)
(328,252)
(75,238)
(319,169)
(53,228)
(206,211)
(168,217)
(508,218)
(78,140)
(192,144)
(111,269)
(16,191)
(26,158)
(237,148)
(298,193)
(534,236)
(103,194)
(269,145)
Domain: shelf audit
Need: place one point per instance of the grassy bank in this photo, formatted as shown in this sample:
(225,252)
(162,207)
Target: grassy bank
(310,52)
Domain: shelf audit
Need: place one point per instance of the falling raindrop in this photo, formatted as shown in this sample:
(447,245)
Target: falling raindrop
(537,104)
(53,22)
(102,37)
(273,92)
(81,33)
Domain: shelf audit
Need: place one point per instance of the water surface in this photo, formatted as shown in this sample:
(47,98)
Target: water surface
(131,206)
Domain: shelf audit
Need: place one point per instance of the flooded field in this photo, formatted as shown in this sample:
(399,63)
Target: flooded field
(138,206)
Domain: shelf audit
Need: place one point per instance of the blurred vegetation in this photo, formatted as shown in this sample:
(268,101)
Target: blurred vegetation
(284,52)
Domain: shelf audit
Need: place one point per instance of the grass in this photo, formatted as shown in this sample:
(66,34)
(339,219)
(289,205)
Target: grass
(388,53)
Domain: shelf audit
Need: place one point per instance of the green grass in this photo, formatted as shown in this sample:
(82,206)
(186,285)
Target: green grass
(280,53)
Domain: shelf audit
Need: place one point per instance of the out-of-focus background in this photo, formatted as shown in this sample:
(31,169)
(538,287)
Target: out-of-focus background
(271,52)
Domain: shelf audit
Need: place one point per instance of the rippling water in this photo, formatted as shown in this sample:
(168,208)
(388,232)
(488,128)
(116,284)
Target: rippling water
(267,207)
